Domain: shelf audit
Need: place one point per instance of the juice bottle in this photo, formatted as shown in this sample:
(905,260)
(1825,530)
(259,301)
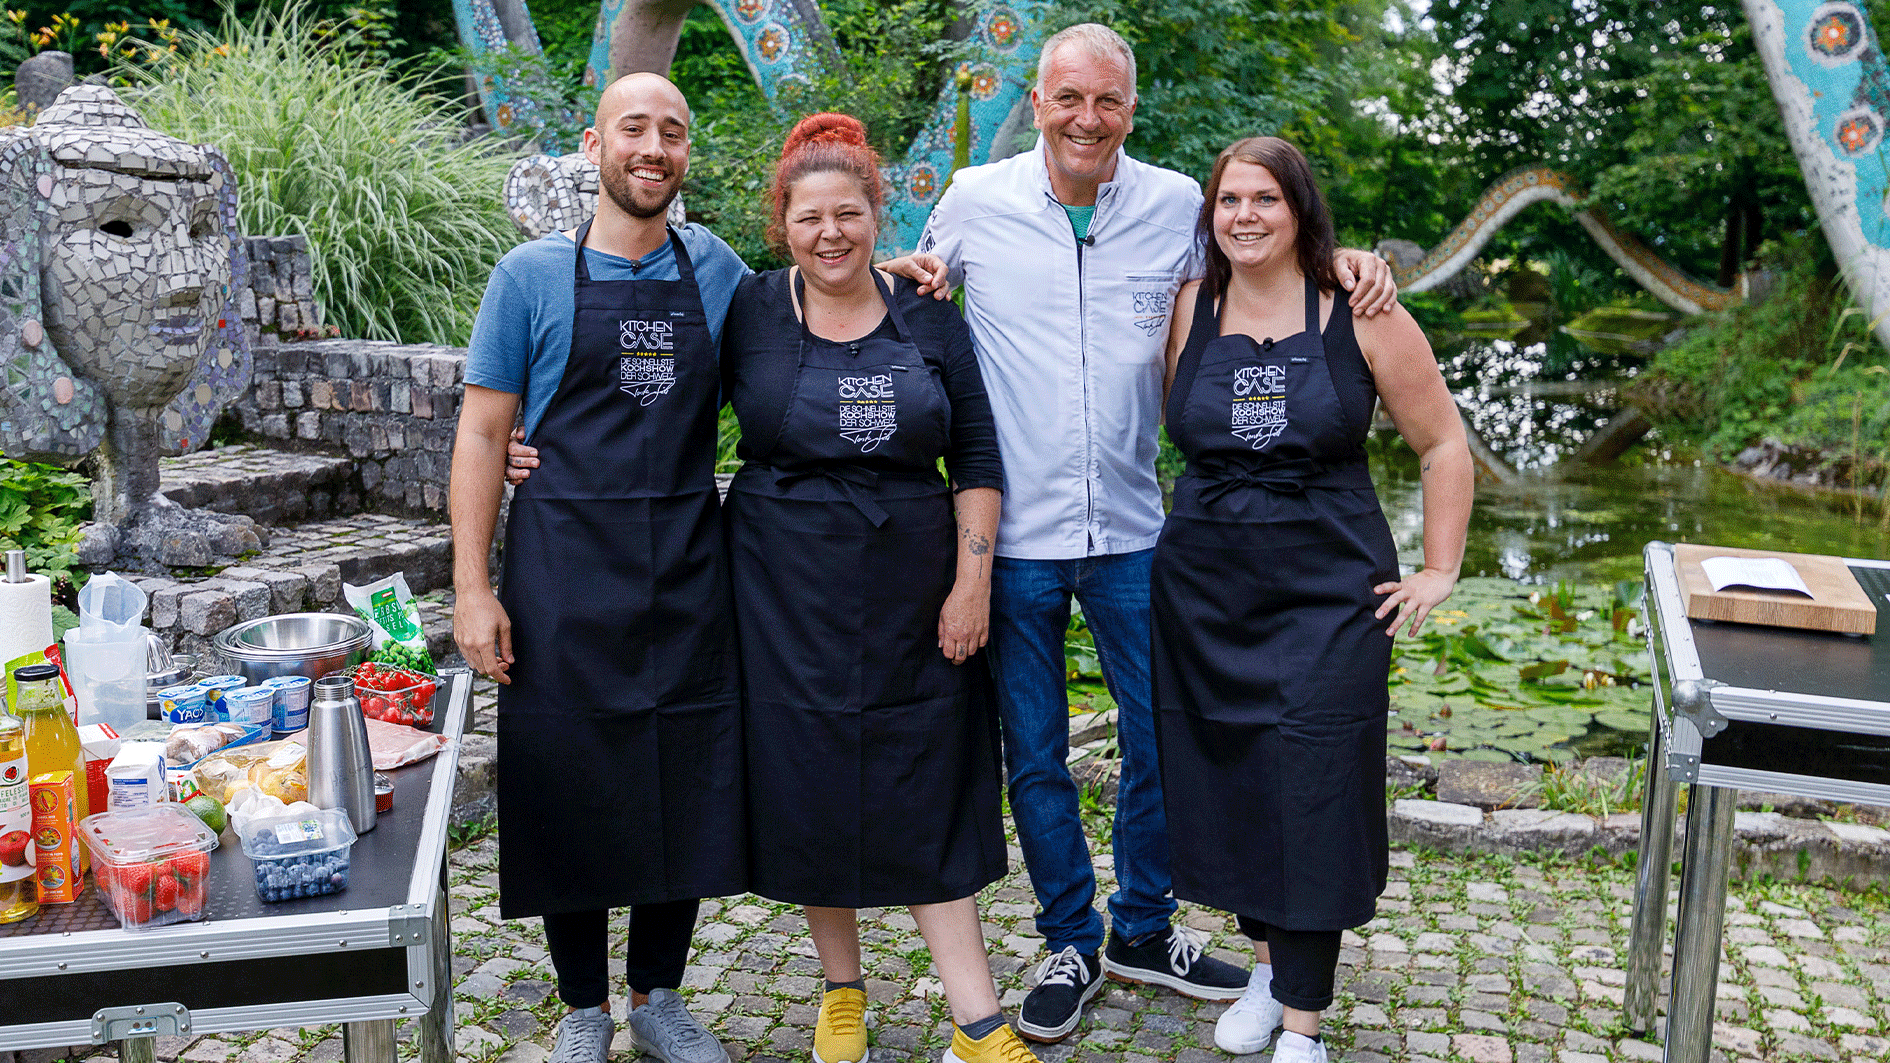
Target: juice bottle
(52,743)
(18,899)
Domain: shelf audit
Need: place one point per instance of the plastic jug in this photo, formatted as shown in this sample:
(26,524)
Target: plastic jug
(105,654)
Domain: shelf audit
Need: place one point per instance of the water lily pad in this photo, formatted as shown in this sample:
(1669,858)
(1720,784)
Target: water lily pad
(1624,720)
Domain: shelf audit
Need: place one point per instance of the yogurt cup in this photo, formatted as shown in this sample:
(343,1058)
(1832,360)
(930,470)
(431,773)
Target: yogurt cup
(214,689)
(183,704)
(251,705)
(289,712)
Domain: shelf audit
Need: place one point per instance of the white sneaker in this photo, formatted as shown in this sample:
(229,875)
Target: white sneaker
(1298,1048)
(1248,1024)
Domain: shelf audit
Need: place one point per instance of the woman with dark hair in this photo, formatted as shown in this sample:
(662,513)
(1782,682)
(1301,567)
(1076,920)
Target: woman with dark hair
(1272,580)
(872,756)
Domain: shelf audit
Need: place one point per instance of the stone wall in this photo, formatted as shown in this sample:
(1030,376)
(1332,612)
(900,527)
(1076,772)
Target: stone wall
(391,407)
(279,305)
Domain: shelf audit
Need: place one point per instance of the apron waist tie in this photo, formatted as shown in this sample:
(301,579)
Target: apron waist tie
(851,481)
(1285,481)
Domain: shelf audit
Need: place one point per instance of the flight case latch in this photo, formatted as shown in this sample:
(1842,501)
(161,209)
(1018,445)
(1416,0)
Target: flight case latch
(140,1020)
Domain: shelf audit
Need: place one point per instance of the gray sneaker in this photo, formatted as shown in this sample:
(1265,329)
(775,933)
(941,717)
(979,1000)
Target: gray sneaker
(666,1030)
(583,1038)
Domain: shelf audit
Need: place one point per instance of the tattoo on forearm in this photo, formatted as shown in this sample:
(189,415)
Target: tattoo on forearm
(1425,468)
(975,544)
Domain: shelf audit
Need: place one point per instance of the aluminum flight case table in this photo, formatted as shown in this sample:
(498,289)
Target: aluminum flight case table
(1740,706)
(372,954)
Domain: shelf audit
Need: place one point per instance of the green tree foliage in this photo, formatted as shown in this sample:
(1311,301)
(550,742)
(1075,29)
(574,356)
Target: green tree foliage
(1705,142)
(1213,71)
(1799,366)
(410,28)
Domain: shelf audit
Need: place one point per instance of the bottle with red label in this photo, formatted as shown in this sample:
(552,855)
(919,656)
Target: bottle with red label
(18,897)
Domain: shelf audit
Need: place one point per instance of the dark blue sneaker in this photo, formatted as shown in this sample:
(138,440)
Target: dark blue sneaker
(1176,960)
(1065,982)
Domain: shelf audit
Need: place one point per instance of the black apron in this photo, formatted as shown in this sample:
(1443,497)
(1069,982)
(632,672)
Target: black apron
(873,773)
(620,735)
(1269,667)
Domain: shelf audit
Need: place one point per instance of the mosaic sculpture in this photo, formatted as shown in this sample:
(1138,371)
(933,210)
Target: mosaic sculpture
(1520,188)
(780,40)
(1829,76)
(119,253)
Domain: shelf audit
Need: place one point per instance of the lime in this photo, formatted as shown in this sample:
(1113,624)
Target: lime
(208,809)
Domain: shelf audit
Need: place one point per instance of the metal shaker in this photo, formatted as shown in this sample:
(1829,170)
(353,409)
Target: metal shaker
(340,765)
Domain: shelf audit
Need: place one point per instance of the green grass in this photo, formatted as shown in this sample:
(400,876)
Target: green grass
(404,222)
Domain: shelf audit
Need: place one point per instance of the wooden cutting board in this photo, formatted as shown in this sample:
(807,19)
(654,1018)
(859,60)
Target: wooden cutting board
(1837,602)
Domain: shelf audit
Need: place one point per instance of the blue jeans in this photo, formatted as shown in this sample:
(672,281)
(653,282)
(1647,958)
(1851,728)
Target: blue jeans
(1030,611)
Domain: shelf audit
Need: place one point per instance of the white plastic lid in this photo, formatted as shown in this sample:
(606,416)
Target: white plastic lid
(297,834)
(142,835)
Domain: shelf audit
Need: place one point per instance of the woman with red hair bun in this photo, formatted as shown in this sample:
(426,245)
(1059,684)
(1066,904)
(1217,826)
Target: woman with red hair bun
(862,587)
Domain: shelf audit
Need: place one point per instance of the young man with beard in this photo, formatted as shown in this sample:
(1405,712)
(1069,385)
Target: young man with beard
(619,727)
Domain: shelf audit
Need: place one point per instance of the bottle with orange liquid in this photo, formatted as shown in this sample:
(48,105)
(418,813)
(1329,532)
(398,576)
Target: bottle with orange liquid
(18,898)
(52,743)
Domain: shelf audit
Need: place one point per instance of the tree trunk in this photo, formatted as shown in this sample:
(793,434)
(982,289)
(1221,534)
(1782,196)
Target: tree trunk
(1755,225)
(1729,257)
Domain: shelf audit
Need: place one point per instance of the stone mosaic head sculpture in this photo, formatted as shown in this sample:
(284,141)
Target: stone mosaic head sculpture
(119,257)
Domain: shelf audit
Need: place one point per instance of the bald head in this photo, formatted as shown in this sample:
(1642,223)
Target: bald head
(646,95)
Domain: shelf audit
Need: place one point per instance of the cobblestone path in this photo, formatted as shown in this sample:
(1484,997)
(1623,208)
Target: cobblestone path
(1475,959)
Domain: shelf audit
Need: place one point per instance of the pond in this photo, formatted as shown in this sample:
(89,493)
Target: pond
(1503,678)
(1590,523)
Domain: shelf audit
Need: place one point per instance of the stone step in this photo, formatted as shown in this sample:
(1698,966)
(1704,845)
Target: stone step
(303,568)
(367,546)
(270,486)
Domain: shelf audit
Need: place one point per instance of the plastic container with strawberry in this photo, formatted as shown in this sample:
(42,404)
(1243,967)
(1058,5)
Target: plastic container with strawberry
(394,694)
(151,864)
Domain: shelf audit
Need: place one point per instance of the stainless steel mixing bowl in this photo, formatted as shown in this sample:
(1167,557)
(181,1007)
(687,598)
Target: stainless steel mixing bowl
(304,644)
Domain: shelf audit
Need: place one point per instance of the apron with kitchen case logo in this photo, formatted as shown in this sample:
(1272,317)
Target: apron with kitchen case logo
(620,767)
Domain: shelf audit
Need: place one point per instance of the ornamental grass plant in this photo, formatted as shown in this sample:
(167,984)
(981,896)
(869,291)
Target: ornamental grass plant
(404,220)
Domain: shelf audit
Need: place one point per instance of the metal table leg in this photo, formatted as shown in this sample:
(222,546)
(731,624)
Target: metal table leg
(1706,865)
(1650,888)
(137,1050)
(436,1026)
(368,1042)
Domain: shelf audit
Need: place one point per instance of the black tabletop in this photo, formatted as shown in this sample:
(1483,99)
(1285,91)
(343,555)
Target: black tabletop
(1803,662)
(381,868)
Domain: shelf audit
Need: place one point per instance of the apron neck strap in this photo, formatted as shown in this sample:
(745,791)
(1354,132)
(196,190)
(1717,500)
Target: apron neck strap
(885,295)
(1312,307)
(685,269)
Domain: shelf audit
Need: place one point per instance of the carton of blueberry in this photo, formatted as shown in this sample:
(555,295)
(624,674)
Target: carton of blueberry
(302,855)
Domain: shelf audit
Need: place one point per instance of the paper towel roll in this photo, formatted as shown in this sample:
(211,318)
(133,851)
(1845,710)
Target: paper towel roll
(25,617)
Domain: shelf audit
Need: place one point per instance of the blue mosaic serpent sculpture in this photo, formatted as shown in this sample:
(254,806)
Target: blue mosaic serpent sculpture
(1827,71)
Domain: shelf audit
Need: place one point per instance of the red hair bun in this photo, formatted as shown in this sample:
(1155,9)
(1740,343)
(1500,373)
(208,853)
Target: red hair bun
(826,128)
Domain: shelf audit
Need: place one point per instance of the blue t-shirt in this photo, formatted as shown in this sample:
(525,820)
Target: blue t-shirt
(522,336)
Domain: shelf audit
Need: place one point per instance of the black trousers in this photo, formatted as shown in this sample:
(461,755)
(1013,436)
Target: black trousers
(657,950)
(1304,962)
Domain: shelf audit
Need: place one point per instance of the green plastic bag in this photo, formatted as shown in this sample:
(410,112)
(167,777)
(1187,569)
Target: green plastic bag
(387,605)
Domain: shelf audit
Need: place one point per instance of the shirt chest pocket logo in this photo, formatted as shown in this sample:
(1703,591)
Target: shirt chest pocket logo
(647,368)
(1259,408)
(868,413)
(1150,307)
